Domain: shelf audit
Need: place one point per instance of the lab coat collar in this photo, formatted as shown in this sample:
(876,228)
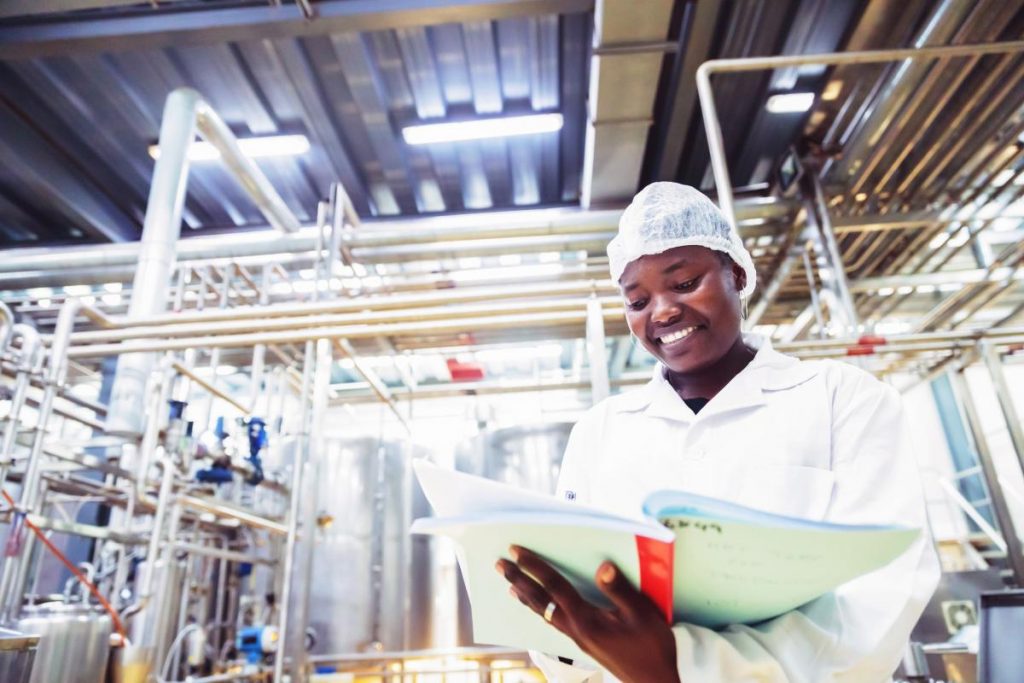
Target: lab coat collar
(769,371)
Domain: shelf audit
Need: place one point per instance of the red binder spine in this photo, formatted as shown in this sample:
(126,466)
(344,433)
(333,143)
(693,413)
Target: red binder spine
(656,572)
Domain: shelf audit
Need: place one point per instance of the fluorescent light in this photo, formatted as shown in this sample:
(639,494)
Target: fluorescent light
(268,146)
(790,103)
(939,240)
(113,287)
(77,290)
(832,91)
(480,129)
(1003,177)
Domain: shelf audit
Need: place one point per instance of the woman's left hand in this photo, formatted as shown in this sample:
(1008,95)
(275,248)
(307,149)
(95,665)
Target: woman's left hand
(630,639)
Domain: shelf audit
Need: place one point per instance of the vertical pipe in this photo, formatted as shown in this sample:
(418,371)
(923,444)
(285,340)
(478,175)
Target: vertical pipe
(160,231)
(259,352)
(716,146)
(221,596)
(301,445)
(1014,552)
(29,360)
(6,326)
(597,354)
(819,317)
(1013,419)
(828,236)
(14,576)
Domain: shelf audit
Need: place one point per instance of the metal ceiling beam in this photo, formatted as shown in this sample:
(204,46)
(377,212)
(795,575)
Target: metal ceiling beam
(153,29)
(20,8)
(71,195)
(701,30)
(623,89)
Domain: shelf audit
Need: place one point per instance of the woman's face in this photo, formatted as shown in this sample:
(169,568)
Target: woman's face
(684,306)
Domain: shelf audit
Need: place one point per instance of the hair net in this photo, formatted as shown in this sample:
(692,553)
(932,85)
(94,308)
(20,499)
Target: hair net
(664,216)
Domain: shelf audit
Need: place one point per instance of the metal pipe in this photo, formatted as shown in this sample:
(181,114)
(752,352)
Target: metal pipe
(770,291)
(973,513)
(349,332)
(377,386)
(14,575)
(184,113)
(298,464)
(228,555)
(1014,552)
(364,317)
(445,297)
(837,275)
(423,231)
(160,232)
(29,361)
(716,146)
(231,512)
(1006,403)
(940,27)
(246,172)
(259,352)
(597,353)
(214,391)
(6,324)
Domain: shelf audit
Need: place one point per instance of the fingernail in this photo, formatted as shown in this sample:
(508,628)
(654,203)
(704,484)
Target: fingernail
(512,592)
(499,567)
(513,551)
(607,573)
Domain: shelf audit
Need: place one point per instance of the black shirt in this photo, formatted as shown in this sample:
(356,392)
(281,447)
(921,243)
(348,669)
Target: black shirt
(695,404)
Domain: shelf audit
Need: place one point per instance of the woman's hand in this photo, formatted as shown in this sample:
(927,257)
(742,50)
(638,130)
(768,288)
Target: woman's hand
(630,639)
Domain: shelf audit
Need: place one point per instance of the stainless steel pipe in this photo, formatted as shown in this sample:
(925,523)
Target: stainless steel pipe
(184,112)
(709,110)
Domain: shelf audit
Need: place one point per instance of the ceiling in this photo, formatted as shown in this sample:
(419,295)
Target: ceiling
(921,162)
(81,96)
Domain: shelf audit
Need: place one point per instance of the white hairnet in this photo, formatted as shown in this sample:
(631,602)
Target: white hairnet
(664,216)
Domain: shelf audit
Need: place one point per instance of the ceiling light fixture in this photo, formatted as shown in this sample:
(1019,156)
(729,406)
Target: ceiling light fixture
(268,146)
(481,129)
(790,103)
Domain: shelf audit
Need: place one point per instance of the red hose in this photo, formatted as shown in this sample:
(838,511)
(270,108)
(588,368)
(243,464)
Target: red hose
(118,626)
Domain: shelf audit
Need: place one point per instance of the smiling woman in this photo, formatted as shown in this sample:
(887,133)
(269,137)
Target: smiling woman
(726,416)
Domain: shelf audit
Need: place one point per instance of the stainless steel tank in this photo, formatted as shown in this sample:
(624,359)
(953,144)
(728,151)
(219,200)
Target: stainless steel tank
(74,643)
(528,456)
(17,655)
(370,586)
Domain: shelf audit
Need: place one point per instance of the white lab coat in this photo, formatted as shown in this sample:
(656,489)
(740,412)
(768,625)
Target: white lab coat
(821,440)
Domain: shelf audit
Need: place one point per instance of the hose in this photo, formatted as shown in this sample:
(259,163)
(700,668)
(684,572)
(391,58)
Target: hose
(115,619)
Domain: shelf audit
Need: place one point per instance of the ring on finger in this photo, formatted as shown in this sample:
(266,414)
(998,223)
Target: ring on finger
(549,611)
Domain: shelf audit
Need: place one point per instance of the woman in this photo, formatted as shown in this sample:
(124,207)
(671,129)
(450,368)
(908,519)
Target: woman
(728,417)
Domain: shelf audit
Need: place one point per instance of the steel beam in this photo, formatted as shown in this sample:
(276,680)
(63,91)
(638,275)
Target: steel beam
(1014,552)
(700,30)
(994,363)
(152,30)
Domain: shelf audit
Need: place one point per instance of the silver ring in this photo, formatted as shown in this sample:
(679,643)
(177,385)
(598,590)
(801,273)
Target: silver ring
(549,611)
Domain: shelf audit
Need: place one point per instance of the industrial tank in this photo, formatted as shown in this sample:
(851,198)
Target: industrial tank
(528,456)
(370,587)
(17,654)
(74,643)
